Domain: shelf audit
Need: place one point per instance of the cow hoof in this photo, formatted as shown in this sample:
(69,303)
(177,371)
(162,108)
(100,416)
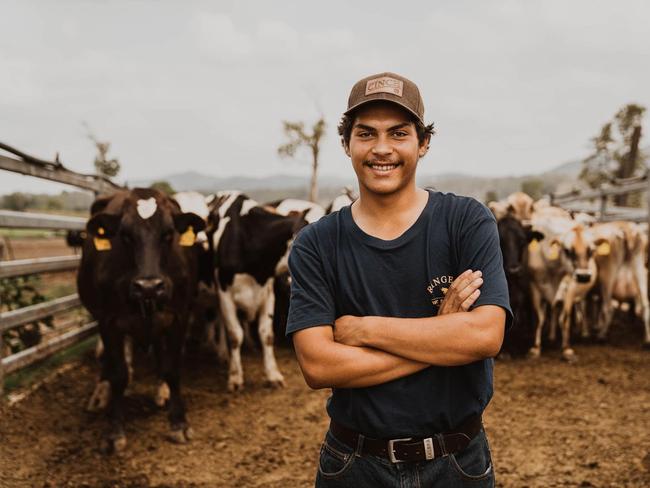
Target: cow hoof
(162,394)
(569,356)
(276,382)
(115,444)
(234,386)
(534,352)
(181,435)
(646,346)
(100,397)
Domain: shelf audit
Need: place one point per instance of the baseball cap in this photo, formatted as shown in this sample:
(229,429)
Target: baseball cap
(390,87)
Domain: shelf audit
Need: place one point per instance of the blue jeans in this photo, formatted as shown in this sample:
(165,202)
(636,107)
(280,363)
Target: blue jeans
(341,465)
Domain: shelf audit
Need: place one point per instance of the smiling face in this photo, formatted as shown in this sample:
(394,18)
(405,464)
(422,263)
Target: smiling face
(384,148)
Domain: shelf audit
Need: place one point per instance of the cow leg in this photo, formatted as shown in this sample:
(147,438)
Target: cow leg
(180,432)
(568,354)
(540,310)
(265,320)
(640,275)
(161,395)
(118,377)
(236,337)
(606,313)
(581,317)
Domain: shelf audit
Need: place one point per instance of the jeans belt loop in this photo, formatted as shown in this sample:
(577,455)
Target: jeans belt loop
(441,441)
(359,448)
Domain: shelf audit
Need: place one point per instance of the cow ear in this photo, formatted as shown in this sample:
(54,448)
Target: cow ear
(100,204)
(104,225)
(184,221)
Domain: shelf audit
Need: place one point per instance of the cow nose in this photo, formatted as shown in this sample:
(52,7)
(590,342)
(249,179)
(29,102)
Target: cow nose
(148,288)
(583,276)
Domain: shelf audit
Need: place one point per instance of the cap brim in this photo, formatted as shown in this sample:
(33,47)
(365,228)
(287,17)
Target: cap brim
(381,98)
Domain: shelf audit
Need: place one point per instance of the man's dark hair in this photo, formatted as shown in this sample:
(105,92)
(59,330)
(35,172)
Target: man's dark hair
(347,122)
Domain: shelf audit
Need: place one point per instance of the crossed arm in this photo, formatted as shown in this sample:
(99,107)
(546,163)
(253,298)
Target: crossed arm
(365,351)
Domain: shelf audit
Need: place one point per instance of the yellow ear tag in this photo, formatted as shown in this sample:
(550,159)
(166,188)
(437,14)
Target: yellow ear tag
(533,245)
(102,244)
(604,249)
(188,237)
(101,231)
(554,252)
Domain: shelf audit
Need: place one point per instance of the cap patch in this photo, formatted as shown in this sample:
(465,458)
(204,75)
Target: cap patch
(385,84)
(146,208)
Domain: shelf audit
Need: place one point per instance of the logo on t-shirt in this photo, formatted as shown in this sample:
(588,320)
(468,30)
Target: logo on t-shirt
(438,287)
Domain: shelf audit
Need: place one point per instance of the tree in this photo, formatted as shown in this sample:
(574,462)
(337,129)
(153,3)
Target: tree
(103,165)
(491,196)
(17,201)
(163,186)
(533,187)
(616,152)
(298,138)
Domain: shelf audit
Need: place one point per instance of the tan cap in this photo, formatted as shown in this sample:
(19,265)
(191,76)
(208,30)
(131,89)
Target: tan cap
(390,87)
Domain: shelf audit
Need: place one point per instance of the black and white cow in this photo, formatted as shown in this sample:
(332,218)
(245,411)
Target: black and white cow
(282,286)
(251,246)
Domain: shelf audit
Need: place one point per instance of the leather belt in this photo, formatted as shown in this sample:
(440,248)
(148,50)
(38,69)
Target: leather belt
(411,449)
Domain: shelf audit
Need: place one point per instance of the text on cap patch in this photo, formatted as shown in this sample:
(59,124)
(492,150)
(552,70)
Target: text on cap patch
(385,84)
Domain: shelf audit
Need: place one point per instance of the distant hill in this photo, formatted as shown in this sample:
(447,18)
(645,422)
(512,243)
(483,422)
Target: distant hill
(561,178)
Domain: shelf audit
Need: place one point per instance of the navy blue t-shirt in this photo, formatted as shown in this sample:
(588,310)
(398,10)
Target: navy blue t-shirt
(337,269)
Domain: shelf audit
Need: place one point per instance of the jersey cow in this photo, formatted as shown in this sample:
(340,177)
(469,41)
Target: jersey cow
(622,275)
(137,278)
(251,246)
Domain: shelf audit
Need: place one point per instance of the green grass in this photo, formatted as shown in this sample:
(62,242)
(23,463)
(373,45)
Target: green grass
(27,233)
(36,372)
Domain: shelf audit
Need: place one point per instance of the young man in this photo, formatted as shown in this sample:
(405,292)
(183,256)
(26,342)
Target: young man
(398,303)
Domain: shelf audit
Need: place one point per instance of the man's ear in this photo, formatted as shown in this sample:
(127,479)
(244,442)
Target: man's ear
(424,147)
(346,147)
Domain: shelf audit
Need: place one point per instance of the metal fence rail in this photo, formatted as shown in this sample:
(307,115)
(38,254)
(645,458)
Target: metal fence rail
(26,315)
(54,171)
(23,267)
(41,351)
(29,220)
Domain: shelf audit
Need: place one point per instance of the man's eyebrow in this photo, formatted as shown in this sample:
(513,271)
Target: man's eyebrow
(395,127)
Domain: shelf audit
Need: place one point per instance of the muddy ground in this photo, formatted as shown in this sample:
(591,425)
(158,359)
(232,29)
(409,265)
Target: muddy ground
(550,423)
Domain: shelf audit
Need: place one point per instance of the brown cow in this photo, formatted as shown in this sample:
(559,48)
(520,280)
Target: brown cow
(137,278)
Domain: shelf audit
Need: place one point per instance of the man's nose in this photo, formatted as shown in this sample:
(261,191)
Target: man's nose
(382,147)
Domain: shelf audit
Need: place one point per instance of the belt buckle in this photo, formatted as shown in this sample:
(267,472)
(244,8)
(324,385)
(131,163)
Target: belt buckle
(391,449)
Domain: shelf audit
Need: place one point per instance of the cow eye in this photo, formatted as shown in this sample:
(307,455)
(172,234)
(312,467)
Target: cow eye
(126,237)
(167,236)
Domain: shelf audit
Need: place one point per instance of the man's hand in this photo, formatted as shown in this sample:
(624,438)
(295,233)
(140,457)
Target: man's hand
(462,293)
(348,330)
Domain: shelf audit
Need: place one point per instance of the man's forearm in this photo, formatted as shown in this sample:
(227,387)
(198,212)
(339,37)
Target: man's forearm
(328,364)
(448,340)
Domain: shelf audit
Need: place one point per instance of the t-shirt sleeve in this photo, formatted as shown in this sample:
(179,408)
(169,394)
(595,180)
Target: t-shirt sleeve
(312,301)
(479,249)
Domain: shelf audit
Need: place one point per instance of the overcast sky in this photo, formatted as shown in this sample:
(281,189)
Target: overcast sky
(513,86)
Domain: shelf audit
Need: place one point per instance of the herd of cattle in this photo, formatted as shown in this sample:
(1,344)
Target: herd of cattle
(161,271)
(158,271)
(565,270)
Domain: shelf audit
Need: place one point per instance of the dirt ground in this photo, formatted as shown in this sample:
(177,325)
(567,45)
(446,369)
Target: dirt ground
(550,424)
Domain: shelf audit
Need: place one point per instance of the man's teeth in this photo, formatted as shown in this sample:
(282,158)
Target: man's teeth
(383,167)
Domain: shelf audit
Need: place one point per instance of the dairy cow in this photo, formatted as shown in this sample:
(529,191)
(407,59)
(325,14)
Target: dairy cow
(137,278)
(251,246)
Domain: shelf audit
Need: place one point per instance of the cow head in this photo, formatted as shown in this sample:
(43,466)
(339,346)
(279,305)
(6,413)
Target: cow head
(514,239)
(144,231)
(579,250)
